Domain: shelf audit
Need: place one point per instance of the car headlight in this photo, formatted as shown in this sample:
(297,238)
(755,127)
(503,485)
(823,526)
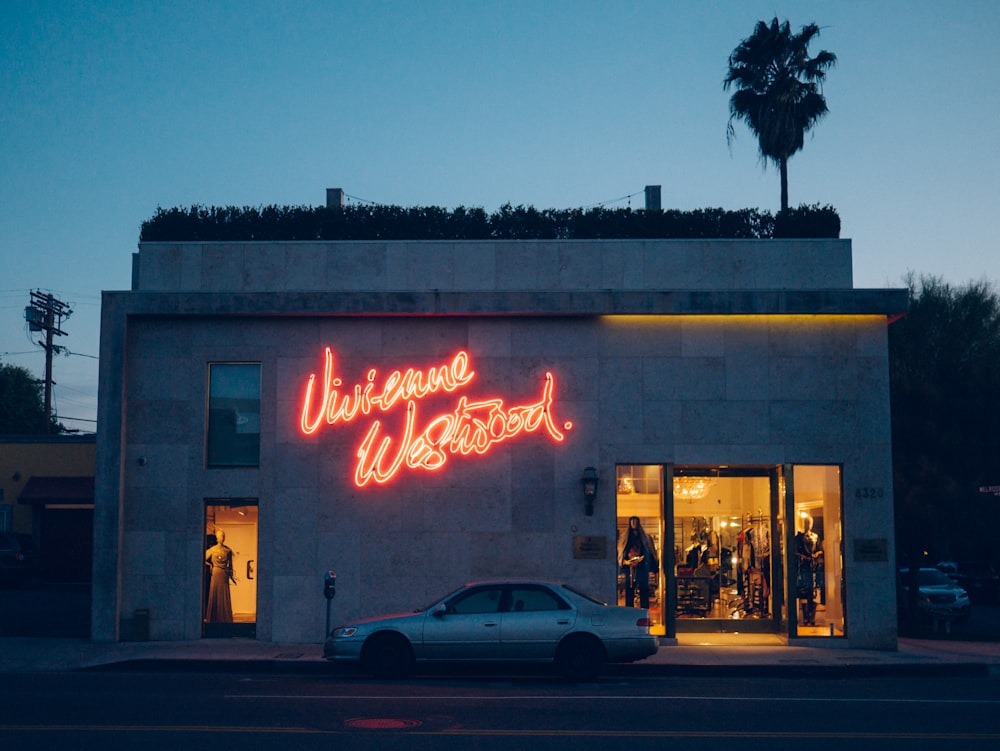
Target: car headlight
(344,632)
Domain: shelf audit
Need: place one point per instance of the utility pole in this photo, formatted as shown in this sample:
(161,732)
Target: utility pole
(46,313)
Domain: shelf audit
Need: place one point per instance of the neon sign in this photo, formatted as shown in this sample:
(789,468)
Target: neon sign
(474,426)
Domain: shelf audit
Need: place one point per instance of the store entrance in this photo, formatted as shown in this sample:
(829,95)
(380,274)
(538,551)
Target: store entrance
(733,549)
(695,543)
(229,601)
(724,522)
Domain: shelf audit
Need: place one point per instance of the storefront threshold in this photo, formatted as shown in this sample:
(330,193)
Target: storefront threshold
(710,625)
(229,630)
(717,639)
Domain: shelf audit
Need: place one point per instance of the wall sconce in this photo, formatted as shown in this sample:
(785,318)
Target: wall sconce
(589,482)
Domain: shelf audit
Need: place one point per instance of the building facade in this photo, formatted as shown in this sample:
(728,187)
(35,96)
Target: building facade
(47,493)
(414,415)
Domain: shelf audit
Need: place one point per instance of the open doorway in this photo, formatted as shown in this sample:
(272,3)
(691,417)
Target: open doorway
(707,563)
(722,533)
(229,599)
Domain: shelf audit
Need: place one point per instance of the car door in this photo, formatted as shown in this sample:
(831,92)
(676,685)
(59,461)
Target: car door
(467,627)
(534,623)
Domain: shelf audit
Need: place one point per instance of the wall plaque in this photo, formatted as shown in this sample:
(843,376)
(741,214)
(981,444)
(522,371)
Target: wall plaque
(869,550)
(590,547)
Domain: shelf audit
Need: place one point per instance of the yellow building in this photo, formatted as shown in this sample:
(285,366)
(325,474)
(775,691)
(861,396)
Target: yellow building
(47,491)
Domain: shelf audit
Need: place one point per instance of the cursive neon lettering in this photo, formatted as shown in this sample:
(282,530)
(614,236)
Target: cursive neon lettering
(336,407)
(473,427)
(370,466)
(311,426)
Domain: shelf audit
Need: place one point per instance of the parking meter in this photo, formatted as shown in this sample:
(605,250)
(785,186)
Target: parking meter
(330,585)
(329,591)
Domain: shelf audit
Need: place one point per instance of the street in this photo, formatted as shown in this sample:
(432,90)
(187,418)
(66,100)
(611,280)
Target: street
(167,706)
(487,708)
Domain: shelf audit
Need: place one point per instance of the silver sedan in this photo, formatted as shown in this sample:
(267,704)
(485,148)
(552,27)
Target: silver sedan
(500,620)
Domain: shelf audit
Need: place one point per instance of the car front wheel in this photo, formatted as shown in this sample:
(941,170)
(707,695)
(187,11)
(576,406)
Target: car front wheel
(387,656)
(580,657)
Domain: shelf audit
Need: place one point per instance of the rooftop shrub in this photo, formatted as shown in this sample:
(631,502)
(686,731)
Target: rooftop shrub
(377,222)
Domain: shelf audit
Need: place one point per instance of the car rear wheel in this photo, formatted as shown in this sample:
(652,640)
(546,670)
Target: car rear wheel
(387,656)
(580,657)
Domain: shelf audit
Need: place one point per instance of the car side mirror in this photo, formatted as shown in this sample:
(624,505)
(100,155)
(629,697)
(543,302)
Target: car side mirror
(440,611)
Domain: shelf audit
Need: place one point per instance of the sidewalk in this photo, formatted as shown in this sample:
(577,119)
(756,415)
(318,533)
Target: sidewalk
(57,617)
(689,657)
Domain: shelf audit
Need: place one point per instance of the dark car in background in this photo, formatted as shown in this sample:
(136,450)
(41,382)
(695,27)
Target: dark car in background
(979,578)
(937,596)
(18,559)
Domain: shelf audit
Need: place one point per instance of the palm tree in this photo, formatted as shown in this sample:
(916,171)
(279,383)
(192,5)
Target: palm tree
(778,91)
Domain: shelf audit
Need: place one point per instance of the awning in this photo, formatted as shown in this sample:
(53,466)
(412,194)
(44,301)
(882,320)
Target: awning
(46,490)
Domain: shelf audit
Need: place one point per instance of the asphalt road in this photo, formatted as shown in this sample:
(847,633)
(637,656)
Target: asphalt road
(133,709)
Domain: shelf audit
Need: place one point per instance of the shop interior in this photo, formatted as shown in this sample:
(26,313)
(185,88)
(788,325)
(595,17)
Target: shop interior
(229,601)
(722,548)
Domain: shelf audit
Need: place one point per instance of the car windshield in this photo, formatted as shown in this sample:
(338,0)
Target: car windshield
(933,578)
(439,599)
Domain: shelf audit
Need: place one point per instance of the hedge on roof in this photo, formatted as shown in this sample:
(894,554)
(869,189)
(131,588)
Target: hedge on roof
(374,222)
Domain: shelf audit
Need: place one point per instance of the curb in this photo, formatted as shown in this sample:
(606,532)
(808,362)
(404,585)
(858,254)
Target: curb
(542,670)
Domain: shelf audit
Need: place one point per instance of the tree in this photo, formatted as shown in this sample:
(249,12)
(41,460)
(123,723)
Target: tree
(944,369)
(22,403)
(778,91)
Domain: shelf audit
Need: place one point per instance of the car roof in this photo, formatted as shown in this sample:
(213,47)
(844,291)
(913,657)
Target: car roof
(514,581)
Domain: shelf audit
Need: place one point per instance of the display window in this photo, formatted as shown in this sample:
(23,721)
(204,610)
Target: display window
(639,539)
(704,548)
(816,582)
(229,566)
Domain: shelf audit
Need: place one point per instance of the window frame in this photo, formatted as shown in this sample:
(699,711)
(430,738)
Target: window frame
(227,451)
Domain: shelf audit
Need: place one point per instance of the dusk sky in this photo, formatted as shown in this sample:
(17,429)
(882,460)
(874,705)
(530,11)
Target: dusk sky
(112,109)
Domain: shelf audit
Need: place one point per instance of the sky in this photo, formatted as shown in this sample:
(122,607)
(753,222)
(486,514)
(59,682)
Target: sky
(109,110)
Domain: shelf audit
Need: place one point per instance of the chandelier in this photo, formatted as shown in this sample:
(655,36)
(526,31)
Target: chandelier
(693,488)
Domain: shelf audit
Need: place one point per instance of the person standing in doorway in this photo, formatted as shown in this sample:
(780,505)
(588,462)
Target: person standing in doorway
(638,560)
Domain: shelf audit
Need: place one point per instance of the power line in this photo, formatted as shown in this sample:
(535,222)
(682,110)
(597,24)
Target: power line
(588,206)
(63,387)
(363,200)
(614,200)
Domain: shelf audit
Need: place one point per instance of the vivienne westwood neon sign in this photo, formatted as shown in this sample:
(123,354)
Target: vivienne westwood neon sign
(472,427)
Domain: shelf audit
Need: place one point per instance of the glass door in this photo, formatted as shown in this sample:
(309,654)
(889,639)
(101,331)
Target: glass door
(229,602)
(723,571)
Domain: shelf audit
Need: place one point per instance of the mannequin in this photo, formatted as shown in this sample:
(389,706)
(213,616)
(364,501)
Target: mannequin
(219,559)
(808,554)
